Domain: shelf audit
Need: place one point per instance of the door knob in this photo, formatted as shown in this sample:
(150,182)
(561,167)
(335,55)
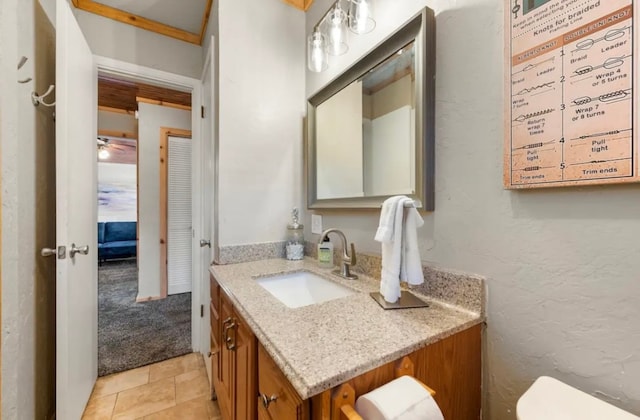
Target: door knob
(84,250)
(205,242)
(48,252)
(61,252)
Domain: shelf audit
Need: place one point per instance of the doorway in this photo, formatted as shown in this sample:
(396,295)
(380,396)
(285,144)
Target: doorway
(139,323)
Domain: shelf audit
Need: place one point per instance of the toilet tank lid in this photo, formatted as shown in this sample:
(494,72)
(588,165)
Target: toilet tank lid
(550,399)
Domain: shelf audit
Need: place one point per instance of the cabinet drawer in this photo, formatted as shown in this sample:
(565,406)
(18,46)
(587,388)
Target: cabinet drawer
(272,383)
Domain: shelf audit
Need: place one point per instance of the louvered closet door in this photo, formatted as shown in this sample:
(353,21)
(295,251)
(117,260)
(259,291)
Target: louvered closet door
(179,216)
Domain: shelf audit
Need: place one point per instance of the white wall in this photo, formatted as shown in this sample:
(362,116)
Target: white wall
(261,105)
(150,119)
(562,264)
(28,214)
(128,43)
(108,120)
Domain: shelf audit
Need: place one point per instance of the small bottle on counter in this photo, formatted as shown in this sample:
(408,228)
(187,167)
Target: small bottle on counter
(325,253)
(295,238)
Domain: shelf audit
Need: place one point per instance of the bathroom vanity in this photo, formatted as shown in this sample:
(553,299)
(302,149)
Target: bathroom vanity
(273,360)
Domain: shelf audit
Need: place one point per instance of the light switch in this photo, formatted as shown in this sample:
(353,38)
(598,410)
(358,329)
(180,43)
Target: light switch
(316,224)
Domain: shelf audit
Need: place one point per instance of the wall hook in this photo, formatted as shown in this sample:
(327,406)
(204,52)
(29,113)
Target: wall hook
(21,63)
(39,99)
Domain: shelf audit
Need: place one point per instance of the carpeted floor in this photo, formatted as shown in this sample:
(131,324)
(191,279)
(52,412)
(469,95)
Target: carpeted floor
(134,334)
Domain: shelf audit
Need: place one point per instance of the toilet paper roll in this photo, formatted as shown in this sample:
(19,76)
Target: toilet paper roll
(401,399)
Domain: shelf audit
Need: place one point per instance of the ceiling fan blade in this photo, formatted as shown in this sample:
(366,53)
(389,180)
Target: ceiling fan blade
(125,147)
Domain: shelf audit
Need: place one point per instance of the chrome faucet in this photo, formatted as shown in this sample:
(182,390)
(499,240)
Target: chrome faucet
(347,260)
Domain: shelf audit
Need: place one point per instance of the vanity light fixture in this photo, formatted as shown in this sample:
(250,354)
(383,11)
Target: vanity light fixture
(361,16)
(318,57)
(337,31)
(330,34)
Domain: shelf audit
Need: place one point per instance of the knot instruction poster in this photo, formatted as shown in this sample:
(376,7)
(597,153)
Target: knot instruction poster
(571,93)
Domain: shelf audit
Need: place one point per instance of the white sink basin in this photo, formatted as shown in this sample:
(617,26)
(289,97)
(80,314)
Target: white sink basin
(302,288)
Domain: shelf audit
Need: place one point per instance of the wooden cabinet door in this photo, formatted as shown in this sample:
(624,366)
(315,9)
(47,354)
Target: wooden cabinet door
(225,386)
(246,370)
(286,404)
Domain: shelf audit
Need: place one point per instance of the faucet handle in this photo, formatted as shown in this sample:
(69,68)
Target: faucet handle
(352,260)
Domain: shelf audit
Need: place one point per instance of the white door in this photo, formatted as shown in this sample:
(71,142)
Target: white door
(179,221)
(206,186)
(76,217)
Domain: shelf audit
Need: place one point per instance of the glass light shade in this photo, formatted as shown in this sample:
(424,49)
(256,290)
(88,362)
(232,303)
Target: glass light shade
(103,153)
(337,31)
(361,16)
(317,56)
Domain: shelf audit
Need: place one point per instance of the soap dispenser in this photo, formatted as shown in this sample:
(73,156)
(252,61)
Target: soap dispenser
(295,238)
(325,253)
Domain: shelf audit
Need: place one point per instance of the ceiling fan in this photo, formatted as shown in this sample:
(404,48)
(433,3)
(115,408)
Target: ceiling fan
(105,144)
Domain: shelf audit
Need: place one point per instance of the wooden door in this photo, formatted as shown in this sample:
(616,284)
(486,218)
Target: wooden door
(246,370)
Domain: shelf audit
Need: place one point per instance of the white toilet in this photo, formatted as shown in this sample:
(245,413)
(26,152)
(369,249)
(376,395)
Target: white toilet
(550,399)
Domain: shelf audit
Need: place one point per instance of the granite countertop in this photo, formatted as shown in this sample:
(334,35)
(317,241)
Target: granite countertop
(320,346)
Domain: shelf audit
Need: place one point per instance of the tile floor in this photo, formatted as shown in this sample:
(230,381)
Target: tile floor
(174,389)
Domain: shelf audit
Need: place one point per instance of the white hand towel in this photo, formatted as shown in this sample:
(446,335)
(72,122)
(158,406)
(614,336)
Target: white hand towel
(411,266)
(387,219)
(390,235)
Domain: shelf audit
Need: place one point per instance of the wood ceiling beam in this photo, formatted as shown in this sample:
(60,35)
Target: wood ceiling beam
(118,133)
(205,20)
(300,4)
(138,21)
(116,110)
(163,103)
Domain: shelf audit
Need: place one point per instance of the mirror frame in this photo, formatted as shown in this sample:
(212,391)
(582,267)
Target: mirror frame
(420,28)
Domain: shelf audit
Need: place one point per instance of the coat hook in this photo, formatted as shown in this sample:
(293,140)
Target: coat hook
(21,63)
(39,99)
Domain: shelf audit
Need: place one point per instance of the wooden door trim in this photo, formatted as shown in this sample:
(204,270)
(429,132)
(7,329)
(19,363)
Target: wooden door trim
(165,133)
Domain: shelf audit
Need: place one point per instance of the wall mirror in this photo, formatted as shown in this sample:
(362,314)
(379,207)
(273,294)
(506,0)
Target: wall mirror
(371,131)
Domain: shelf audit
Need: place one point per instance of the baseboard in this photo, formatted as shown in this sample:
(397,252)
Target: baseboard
(175,289)
(148,298)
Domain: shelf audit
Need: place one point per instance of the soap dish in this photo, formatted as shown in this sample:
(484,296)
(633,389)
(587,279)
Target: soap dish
(406,301)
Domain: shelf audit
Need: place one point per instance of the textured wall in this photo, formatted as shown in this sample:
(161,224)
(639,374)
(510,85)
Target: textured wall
(261,105)
(562,264)
(28,214)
